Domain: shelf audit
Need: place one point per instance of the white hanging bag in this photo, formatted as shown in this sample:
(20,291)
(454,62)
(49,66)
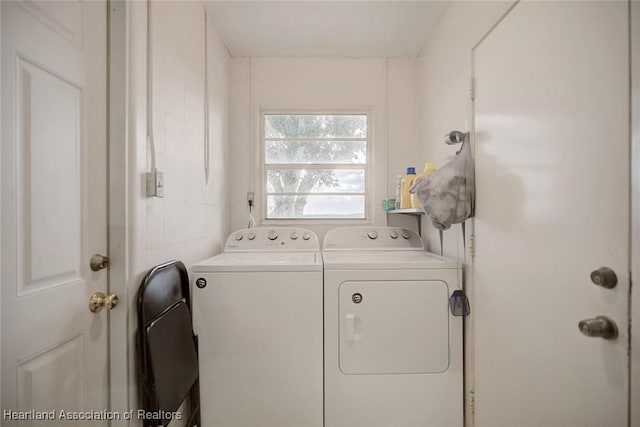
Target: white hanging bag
(448,195)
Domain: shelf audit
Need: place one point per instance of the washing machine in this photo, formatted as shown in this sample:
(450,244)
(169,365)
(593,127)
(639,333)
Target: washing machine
(258,314)
(393,350)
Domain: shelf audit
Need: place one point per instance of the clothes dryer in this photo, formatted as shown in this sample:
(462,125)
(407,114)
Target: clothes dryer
(393,351)
(258,314)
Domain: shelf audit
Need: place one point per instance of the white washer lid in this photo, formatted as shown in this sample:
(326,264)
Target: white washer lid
(383,260)
(261,261)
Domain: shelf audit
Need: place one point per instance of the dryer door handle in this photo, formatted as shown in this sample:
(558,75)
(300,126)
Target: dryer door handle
(351,324)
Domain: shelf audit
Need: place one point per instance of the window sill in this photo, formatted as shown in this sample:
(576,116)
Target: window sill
(288,221)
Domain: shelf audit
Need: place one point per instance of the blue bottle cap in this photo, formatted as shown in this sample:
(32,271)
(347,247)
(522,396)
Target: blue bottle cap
(411,171)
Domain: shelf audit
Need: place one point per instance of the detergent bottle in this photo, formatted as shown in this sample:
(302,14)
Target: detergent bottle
(429,168)
(398,192)
(407,183)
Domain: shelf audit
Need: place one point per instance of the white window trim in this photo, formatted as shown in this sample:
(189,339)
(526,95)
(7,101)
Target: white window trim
(261,177)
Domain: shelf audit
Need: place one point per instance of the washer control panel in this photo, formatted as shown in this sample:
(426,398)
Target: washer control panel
(372,238)
(272,239)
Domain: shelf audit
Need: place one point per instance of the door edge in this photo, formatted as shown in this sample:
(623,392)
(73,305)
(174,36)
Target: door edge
(118,239)
(634,309)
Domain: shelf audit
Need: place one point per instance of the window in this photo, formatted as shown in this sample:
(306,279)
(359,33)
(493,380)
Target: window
(315,166)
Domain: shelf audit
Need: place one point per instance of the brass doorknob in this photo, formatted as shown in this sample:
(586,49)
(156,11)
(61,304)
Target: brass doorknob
(99,300)
(98,262)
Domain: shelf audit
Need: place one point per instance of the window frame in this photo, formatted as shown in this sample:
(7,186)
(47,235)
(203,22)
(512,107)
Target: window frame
(261,176)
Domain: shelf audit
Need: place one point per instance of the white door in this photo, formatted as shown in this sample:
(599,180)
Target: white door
(552,154)
(54,350)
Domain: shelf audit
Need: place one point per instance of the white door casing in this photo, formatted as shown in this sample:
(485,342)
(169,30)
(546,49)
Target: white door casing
(551,114)
(54,351)
(635,197)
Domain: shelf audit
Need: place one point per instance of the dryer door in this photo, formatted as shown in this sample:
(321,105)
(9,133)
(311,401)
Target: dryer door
(394,327)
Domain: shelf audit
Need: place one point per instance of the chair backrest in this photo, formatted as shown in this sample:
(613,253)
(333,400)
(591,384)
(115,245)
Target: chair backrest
(166,344)
(162,287)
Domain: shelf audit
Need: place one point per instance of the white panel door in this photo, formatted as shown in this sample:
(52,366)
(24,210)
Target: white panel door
(552,156)
(54,350)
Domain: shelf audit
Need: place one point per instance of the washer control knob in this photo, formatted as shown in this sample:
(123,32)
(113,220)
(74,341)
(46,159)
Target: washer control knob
(393,235)
(238,236)
(272,235)
(373,234)
(405,235)
(306,236)
(294,236)
(251,236)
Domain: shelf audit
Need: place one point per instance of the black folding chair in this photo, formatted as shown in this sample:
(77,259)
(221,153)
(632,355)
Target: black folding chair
(167,347)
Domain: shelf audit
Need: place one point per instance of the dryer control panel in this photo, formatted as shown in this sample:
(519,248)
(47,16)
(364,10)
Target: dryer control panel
(372,238)
(290,239)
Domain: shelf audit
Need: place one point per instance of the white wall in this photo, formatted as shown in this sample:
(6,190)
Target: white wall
(191,222)
(444,76)
(444,79)
(386,87)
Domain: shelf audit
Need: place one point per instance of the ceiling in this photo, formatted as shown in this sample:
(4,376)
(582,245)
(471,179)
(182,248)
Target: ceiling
(325,28)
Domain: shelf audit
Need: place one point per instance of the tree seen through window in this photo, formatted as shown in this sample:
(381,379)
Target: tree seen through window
(315,165)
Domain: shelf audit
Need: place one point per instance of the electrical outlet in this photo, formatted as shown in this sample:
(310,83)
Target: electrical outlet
(250,198)
(155,184)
